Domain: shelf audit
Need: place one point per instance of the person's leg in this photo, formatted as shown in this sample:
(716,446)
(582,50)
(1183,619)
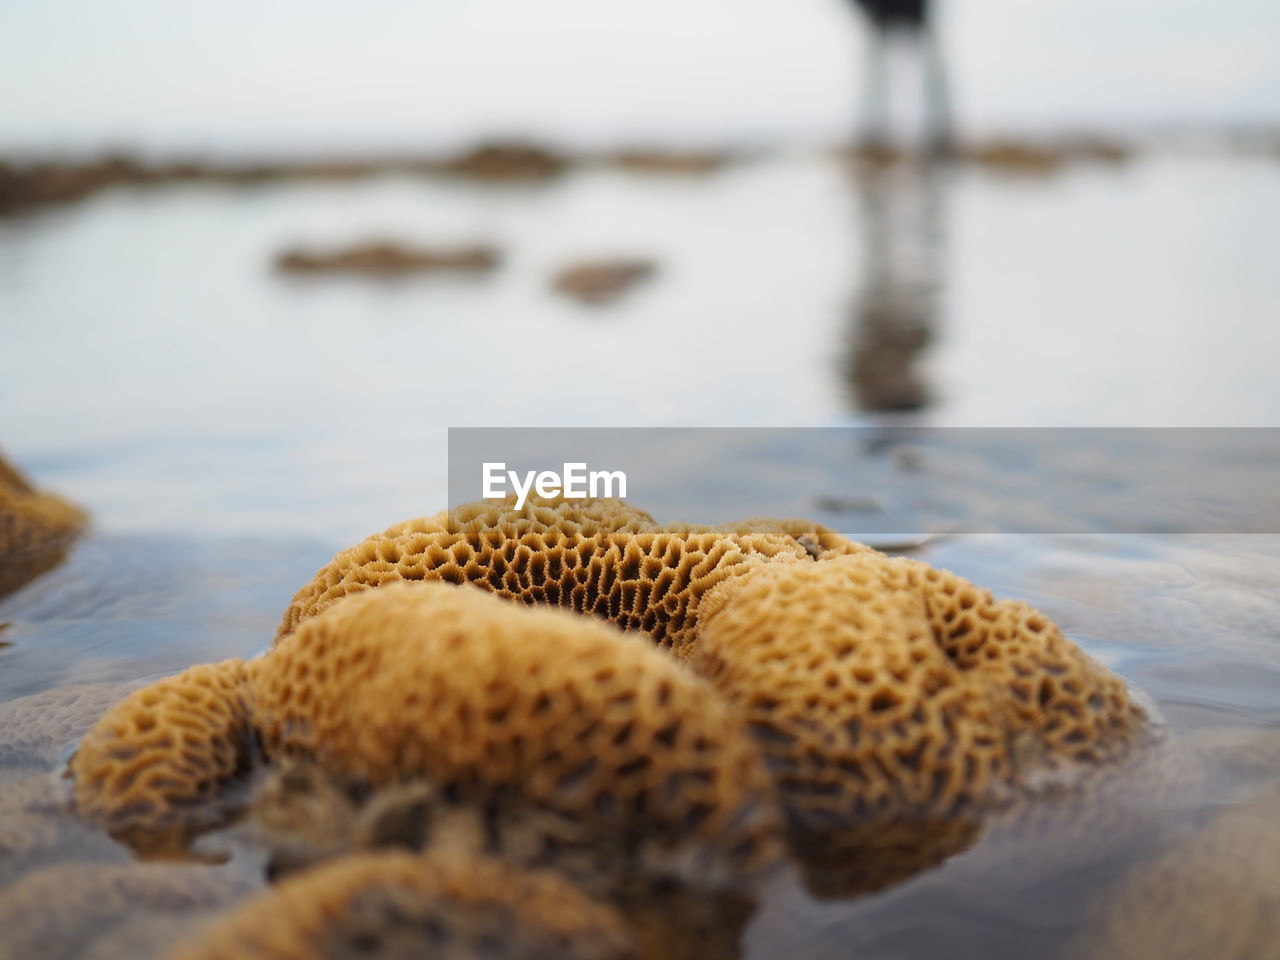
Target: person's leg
(875,91)
(939,134)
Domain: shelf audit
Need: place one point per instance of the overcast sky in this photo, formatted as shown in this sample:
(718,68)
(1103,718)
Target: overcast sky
(238,73)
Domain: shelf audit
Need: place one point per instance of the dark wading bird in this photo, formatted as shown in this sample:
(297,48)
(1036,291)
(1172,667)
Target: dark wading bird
(911,21)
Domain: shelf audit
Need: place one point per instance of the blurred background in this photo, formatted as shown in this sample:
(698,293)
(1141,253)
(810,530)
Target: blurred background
(249,250)
(257,258)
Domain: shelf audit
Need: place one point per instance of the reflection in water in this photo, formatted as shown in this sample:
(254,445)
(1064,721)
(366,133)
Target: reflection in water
(911,22)
(895,311)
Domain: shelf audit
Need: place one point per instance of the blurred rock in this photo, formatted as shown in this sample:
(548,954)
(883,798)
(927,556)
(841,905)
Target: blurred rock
(674,162)
(383,258)
(597,282)
(506,162)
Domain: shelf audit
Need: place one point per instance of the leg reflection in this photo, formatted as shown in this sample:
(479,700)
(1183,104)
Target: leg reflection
(895,310)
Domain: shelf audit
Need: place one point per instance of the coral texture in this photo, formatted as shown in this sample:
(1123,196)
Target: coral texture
(889,698)
(616,747)
(399,905)
(599,557)
(35,529)
(153,769)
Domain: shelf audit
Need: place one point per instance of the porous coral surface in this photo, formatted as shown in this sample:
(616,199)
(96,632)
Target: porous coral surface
(152,769)
(35,529)
(599,557)
(878,687)
(394,905)
(632,754)
(883,688)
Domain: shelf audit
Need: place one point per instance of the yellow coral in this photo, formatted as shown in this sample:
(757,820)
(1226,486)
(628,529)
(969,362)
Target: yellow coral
(893,701)
(595,556)
(400,905)
(35,529)
(616,747)
(153,767)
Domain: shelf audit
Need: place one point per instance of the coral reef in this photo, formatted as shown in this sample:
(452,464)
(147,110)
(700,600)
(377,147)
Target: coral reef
(891,700)
(875,712)
(399,905)
(35,529)
(155,769)
(622,756)
(383,258)
(598,282)
(898,706)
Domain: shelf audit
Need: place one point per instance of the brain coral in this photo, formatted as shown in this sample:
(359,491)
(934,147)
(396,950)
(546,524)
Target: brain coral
(878,687)
(591,556)
(617,749)
(153,769)
(396,905)
(35,529)
(896,703)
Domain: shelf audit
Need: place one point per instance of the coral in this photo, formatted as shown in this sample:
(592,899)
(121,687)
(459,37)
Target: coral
(59,911)
(400,905)
(597,282)
(613,747)
(894,702)
(36,729)
(381,258)
(883,690)
(600,557)
(301,814)
(154,769)
(35,529)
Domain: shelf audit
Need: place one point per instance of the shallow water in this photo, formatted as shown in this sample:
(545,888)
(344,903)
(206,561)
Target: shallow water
(229,430)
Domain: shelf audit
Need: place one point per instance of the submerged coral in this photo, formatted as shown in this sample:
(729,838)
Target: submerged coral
(35,529)
(889,698)
(622,754)
(154,768)
(874,711)
(398,905)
